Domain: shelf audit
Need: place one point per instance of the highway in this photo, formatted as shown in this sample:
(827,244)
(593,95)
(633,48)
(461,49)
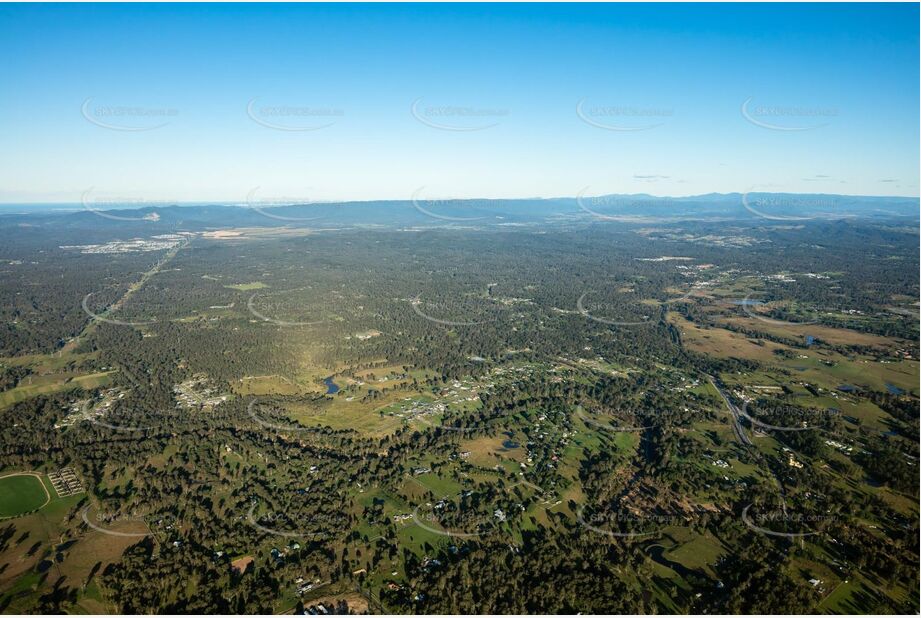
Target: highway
(737,427)
(742,437)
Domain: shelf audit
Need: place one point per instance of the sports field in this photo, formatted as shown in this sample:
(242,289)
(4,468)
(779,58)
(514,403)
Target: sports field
(21,493)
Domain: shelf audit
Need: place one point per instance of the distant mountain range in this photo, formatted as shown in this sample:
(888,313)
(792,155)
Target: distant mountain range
(426,212)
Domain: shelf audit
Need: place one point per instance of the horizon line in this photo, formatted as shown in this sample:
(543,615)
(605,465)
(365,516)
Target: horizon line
(141,202)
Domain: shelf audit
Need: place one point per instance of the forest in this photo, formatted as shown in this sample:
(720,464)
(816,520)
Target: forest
(691,416)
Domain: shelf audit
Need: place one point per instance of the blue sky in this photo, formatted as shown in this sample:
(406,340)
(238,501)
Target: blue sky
(339,102)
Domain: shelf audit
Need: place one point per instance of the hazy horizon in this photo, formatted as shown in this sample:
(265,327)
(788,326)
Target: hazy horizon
(306,201)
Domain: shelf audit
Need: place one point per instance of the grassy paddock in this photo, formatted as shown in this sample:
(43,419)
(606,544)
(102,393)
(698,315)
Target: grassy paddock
(21,493)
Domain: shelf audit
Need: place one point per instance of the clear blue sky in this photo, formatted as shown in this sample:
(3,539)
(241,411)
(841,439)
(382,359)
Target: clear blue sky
(845,75)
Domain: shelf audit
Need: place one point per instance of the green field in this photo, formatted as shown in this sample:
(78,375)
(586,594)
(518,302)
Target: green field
(21,493)
(54,383)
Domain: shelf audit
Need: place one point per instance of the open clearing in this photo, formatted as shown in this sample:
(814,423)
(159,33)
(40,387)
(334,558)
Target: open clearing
(246,287)
(79,556)
(270,385)
(362,417)
(835,336)
(723,343)
(21,493)
(818,366)
(54,383)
